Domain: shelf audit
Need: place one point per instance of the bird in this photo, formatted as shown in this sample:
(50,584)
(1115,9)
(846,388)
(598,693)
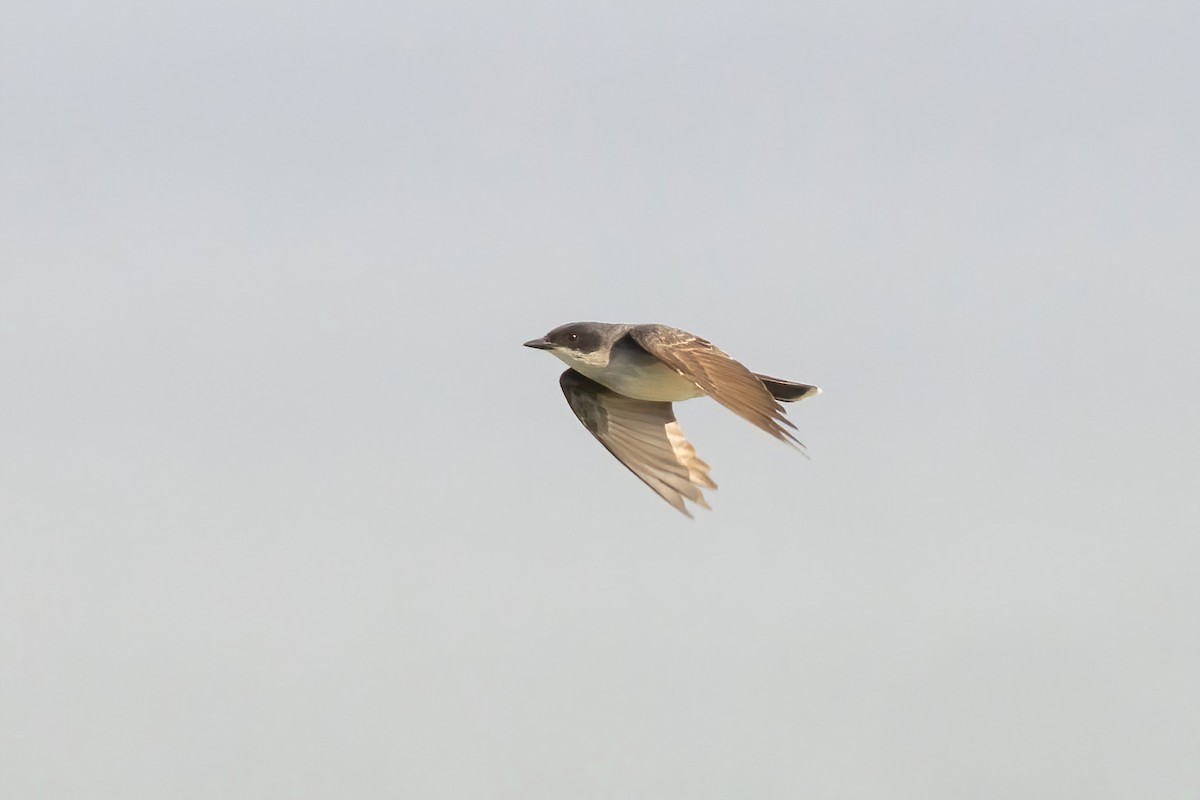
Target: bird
(622,380)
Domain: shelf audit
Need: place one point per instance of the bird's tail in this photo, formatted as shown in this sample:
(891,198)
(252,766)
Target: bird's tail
(787,391)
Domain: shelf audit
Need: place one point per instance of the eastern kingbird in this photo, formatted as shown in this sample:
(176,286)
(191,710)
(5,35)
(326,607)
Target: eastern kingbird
(623,379)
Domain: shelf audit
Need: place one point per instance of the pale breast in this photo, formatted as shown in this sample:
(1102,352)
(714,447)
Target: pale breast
(641,379)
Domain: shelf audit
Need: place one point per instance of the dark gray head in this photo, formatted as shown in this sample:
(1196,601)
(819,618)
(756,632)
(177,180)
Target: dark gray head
(577,337)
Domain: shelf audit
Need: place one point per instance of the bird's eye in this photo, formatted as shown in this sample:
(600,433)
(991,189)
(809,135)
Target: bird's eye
(572,337)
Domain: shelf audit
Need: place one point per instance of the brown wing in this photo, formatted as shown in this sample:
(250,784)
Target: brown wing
(642,435)
(717,375)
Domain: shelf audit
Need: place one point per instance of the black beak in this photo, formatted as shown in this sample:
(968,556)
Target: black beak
(539,344)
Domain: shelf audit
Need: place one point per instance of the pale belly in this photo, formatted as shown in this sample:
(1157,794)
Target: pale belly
(647,379)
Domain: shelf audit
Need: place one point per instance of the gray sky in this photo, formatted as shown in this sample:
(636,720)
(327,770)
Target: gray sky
(287,511)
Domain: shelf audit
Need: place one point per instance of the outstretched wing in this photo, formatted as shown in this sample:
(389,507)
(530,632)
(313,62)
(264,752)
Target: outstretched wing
(644,436)
(717,375)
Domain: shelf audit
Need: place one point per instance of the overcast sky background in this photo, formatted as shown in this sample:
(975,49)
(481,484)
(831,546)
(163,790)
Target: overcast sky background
(287,511)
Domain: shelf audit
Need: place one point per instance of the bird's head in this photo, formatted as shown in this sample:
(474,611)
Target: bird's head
(577,342)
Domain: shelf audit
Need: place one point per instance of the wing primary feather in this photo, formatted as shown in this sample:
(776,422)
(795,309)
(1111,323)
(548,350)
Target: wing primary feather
(719,376)
(644,436)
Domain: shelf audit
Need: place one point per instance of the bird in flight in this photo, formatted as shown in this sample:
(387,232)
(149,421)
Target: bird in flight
(622,380)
